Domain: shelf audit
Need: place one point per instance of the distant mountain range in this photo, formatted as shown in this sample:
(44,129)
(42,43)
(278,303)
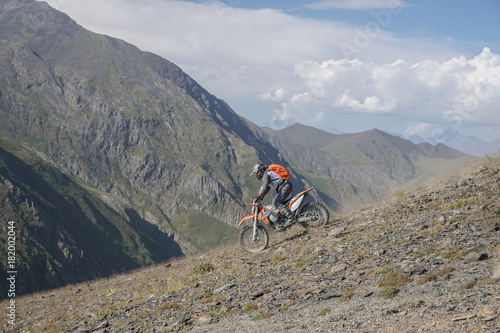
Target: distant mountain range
(467,144)
(113,158)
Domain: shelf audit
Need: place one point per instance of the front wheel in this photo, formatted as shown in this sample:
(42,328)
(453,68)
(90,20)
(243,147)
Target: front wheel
(314,214)
(254,243)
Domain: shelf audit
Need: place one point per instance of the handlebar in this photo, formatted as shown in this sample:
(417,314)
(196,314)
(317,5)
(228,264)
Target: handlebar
(255,202)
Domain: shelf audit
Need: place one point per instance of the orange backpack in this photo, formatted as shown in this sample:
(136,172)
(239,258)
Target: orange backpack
(280,170)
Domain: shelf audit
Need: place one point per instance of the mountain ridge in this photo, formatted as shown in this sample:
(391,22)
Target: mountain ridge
(150,144)
(465,143)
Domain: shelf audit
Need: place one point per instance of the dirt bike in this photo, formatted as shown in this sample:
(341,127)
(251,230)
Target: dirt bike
(254,236)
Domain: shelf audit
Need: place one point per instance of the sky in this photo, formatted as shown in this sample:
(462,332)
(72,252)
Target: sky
(411,67)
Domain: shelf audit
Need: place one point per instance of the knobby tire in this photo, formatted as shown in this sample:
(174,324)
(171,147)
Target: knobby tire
(317,212)
(257,245)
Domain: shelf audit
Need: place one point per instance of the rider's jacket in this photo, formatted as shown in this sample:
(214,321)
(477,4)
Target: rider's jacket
(270,179)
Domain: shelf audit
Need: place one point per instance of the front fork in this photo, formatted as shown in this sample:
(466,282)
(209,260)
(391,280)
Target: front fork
(255,222)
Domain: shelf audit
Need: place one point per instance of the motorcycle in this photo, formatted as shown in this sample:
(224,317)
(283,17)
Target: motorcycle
(254,237)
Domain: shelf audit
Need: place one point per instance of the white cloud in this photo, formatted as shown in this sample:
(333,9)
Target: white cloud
(278,96)
(416,129)
(357,4)
(455,92)
(371,104)
(275,68)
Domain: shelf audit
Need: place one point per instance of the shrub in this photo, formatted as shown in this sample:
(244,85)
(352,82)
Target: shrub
(203,268)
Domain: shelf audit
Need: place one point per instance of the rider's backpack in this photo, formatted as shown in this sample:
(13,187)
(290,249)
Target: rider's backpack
(280,170)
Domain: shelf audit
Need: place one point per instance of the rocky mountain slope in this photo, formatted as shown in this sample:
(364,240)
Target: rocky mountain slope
(427,261)
(64,233)
(162,158)
(385,161)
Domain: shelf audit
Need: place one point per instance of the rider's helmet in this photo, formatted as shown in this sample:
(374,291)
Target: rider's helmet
(258,170)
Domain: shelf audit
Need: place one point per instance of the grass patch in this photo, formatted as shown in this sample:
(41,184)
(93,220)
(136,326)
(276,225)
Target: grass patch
(384,270)
(425,251)
(250,307)
(466,285)
(277,259)
(289,327)
(453,254)
(391,283)
(427,278)
(445,272)
(288,305)
(324,311)
(347,295)
(459,204)
(263,315)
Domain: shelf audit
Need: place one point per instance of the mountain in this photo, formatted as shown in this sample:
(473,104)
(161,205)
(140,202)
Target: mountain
(148,157)
(427,261)
(468,144)
(64,233)
(124,122)
(335,162)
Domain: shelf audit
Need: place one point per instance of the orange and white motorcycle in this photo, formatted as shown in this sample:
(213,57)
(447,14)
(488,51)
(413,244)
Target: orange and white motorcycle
(254,236)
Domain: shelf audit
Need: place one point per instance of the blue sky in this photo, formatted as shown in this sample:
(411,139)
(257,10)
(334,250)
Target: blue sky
(413,67)
(471,23)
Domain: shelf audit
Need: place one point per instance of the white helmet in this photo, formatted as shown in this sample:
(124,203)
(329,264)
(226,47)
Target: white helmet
(258,170)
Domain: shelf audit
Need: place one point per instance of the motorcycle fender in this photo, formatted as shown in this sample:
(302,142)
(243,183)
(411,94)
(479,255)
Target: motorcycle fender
(296,204)
(246,218)
(298,199)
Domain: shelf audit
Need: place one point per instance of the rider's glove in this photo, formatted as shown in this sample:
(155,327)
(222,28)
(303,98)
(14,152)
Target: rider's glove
(257,198)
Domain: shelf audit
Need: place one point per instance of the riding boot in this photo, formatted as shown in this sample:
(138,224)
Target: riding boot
(288,214)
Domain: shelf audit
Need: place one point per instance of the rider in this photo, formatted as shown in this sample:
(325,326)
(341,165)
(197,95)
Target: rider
(283,190)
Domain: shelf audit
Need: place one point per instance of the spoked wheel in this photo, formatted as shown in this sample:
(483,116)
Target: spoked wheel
(254,243)
(315,215)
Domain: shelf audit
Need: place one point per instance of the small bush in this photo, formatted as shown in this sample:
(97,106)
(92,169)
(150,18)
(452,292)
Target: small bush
(203,268)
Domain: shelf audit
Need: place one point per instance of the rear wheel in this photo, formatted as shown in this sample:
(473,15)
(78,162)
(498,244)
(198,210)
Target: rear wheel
(314,214)
(254,243)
